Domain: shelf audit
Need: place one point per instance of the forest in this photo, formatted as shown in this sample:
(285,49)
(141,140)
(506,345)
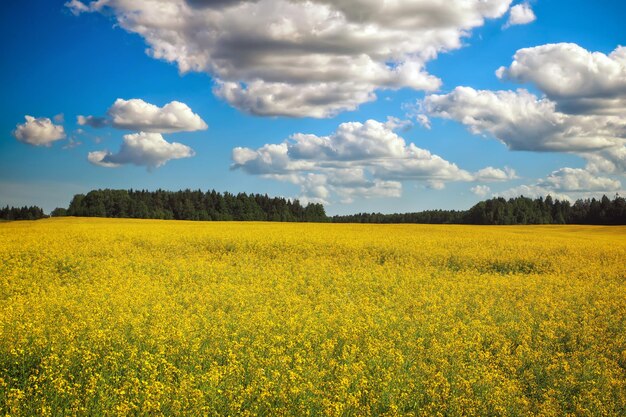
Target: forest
(519,210)
(193,205)
(21,213)
(216,206)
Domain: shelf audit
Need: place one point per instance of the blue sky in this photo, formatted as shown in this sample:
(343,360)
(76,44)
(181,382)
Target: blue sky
(315,142)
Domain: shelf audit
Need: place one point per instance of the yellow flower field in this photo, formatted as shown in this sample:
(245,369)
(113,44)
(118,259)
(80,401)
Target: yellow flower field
(149,317)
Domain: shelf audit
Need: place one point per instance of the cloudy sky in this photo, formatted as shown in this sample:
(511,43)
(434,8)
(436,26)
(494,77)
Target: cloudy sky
(363,105)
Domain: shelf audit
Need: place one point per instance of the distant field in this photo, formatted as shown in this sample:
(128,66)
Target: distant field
(149,317)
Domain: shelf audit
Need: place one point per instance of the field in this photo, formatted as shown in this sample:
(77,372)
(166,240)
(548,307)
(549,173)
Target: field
(142,317)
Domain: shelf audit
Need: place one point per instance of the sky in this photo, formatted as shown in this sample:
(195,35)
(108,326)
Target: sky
(362,105)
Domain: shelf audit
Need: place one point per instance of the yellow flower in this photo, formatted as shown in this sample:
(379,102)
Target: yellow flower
(126,317)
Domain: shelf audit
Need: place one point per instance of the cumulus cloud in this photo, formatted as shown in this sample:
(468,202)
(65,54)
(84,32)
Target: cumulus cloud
(142,149)
(610,161)
(577,80)
(566,184)
(480,190)
(100,158)
(532,191)
(525,122)
(576,179)
(315,58)
(359,159)
(580,112)
(520,14)
(38,131)
(492,174)
(136,114)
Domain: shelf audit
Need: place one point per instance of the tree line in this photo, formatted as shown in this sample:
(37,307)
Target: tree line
(520,210)
(192,205)
(21,213)
(212,205)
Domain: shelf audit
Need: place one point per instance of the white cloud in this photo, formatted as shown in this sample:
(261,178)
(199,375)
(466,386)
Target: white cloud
(566,184)
(136,114)
(359,159)
(100,158)
(576,179)
(282,99)
(420,164)
(480,190)
(77,7)
(579,81)
(524,122)
(142,149)
(581,112)
(520,14)
(532,191)
(315,58)
(38,131)
(610,161)
(495,174)
(376,189)
(351,141)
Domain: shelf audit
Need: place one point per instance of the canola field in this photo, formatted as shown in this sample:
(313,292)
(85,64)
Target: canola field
(148,317)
